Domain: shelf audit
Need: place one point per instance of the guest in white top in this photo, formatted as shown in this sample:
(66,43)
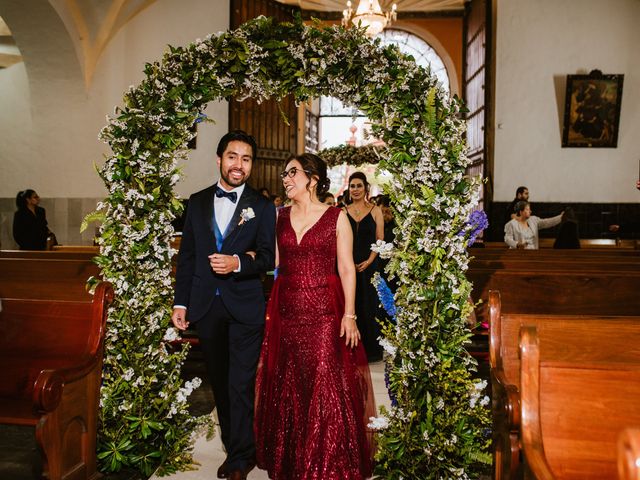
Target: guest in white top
(522,231)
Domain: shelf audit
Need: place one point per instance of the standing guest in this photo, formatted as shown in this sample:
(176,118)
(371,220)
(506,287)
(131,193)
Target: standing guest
(328,199)
(30,230)
(264,191)
(367,225)
(277,200)
(313,388)
(522,194)
(340,201)
(522,231)
(218,289)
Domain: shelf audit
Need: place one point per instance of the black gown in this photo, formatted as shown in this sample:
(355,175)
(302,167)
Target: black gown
(367,303)
(30,230)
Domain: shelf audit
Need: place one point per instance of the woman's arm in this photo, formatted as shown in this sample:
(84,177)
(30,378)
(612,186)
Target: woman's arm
(549,222)
(347,272)
(376,213)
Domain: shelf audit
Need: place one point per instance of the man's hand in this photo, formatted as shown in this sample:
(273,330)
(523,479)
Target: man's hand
(223,264)
(179,318)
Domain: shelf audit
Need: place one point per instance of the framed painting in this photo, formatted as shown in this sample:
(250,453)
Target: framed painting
(592,110)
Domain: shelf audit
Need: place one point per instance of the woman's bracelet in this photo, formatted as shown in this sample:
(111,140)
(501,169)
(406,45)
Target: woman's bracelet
(350,315)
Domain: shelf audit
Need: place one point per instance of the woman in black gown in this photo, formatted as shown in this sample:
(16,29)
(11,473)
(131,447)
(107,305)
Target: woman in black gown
(368,227)
(30,229)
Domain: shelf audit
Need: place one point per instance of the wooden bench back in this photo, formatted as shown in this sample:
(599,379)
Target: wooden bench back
(558,342)
(573,411)
(49,254)
(557,292)
(52,332)
(46,279)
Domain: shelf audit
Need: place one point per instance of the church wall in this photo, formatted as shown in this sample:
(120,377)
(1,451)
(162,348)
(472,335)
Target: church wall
(538,44)
(50,120)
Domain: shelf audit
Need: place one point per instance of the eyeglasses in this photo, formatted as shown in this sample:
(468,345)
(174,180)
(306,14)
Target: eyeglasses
(292,172)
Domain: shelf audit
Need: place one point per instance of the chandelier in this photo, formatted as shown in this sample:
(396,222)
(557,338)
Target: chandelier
(369,15)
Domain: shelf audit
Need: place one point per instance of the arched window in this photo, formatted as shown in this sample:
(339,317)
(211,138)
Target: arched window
(421,51)
(336,118)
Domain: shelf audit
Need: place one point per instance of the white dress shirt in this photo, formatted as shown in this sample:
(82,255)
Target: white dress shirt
(225,208)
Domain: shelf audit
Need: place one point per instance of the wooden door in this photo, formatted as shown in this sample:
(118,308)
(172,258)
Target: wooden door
(478,90)
(276,140)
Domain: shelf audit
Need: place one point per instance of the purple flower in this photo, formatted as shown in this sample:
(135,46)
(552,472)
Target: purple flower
(474,226)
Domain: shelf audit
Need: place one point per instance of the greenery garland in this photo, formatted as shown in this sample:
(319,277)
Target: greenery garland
(350,155)
(437,428)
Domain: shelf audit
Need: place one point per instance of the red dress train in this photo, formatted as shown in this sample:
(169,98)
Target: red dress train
(313,394)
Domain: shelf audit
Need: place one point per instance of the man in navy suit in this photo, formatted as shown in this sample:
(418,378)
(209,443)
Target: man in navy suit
(228,240)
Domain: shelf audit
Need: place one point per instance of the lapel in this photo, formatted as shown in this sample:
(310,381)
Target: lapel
(209,211)
(246,200)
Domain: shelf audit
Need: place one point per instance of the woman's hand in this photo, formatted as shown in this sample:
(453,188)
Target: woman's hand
(361,267)
(349,330)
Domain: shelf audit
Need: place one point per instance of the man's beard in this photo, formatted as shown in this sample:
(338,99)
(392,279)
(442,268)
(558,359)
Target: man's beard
(233,183)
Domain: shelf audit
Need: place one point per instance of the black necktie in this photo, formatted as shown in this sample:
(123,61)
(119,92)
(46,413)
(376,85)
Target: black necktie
(233,196)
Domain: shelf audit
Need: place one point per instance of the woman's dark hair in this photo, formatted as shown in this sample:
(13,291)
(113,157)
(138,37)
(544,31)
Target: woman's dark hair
(520,206)
(323,197)
(314,166)
(237,136)
(22,197)
(383,201)
(359,176)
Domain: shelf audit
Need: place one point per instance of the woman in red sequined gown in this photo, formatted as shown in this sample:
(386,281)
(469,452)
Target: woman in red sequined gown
(313,387)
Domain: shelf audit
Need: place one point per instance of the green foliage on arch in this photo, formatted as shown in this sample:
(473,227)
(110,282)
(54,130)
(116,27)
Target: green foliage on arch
(437,428)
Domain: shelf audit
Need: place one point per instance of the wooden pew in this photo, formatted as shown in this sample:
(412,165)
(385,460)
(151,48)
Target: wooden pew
(48,254)
(573,410)
(629,454)
(550,287)
(46,279)
(51,362)
(561,342)
(585,243)
(93,249)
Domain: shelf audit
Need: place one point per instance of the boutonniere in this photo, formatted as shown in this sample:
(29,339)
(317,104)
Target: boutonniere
(246,214)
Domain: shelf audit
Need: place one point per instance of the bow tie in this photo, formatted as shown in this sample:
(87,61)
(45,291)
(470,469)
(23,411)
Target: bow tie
(233,196)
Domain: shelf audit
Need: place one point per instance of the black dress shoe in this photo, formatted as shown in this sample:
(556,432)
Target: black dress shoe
(223,470)
(237,475)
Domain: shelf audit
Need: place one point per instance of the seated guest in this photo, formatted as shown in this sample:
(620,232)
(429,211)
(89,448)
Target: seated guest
(522,194)
(522,231)
(568,233)
(30,229)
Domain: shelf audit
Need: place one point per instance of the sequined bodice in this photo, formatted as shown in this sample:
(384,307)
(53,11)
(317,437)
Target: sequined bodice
(314,258)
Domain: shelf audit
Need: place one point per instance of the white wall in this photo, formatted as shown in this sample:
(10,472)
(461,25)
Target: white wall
(49,121)
(538,44)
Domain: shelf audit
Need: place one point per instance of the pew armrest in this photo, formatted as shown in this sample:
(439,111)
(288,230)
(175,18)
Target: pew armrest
(530,407)
(47,391)
(506,401)
(629,454)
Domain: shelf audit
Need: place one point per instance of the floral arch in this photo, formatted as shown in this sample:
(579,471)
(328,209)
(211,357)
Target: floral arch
(437,428)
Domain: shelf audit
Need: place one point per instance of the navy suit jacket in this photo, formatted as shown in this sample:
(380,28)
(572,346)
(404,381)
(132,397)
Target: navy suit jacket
(241,293)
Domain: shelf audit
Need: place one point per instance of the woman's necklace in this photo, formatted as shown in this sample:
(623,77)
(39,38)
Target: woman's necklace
(355,210)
